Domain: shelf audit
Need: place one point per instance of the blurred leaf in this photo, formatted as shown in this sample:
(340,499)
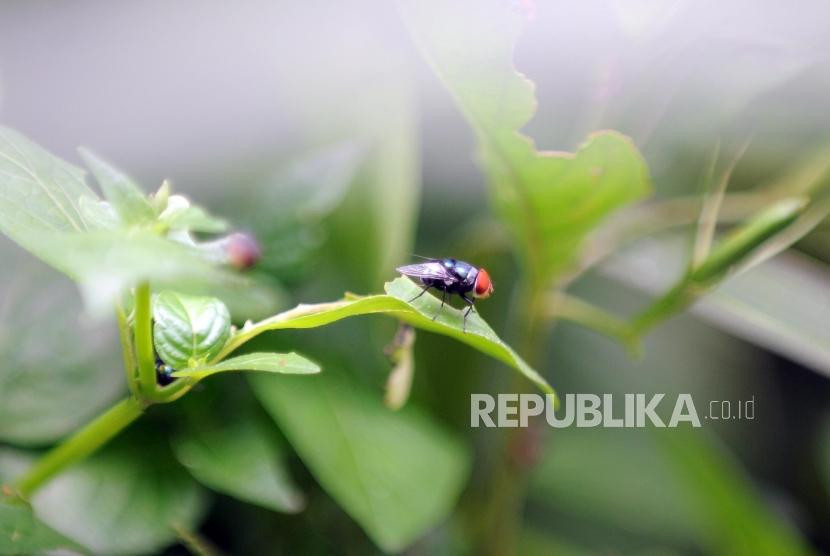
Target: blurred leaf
(373,229)
(285,363)
(397,474)
(737,518)
(534,542)
(99,215)
(743,240)
(752,305)
(123,499)
(48,209)
(239,457)
(727,256)
(179,214)
(615,479)
(58,370)
(128,200)
(396,303)
(106,263)
(22,533)
(293,202)
(189,329)
(39,192)
(551,200)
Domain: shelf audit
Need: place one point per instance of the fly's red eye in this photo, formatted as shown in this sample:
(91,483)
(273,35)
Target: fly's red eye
(484,287)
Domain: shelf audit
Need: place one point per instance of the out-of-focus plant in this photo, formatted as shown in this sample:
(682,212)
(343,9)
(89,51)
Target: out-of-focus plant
(140,254)
(554,203)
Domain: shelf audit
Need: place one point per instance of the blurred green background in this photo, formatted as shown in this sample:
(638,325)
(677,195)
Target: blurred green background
(321,128)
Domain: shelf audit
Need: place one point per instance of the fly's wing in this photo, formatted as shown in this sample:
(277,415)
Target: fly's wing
(432,269)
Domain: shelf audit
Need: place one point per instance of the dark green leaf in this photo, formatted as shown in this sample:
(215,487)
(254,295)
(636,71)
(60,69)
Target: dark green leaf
(189,329)
(397,474)
(239,458)
(286,363)
(22,533)
(124,195)
(125,499)
(738,520)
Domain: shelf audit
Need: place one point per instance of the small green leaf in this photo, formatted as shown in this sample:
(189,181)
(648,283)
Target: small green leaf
(240,458)
(189,328)
(418,313)
(22,533)
(396,473)
(126,197)
(179,214)
(286,363)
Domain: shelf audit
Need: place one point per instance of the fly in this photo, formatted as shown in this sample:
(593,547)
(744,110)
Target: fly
(451,276)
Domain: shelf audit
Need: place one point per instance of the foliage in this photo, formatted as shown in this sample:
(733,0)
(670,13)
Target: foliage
(159,263)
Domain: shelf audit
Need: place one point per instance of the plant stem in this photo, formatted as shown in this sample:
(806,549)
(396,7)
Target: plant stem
(144,341)
(501,513)
(126,348)
(81,444)
(567,307)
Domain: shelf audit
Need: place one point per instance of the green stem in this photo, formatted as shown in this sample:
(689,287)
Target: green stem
(126,348)
(144,341)
(81,444)
(501,511)
(567,307)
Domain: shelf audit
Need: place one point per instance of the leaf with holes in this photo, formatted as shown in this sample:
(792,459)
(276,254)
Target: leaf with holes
(550,200)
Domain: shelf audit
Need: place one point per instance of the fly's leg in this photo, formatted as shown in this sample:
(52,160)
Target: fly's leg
(467,312)
(443,299)
(423,291)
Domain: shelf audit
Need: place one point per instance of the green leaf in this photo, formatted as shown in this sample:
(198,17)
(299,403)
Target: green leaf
(189,329)
(125,499)
(728,255)
(241,458)
(550,200)
(397,474)
(285,363)
(38,192)
(737,518)
(736,246)
(106,263)
(131,204)
(22,533)
(750,305)
(179,214)
(418,313)
(57,371)
(99,215)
